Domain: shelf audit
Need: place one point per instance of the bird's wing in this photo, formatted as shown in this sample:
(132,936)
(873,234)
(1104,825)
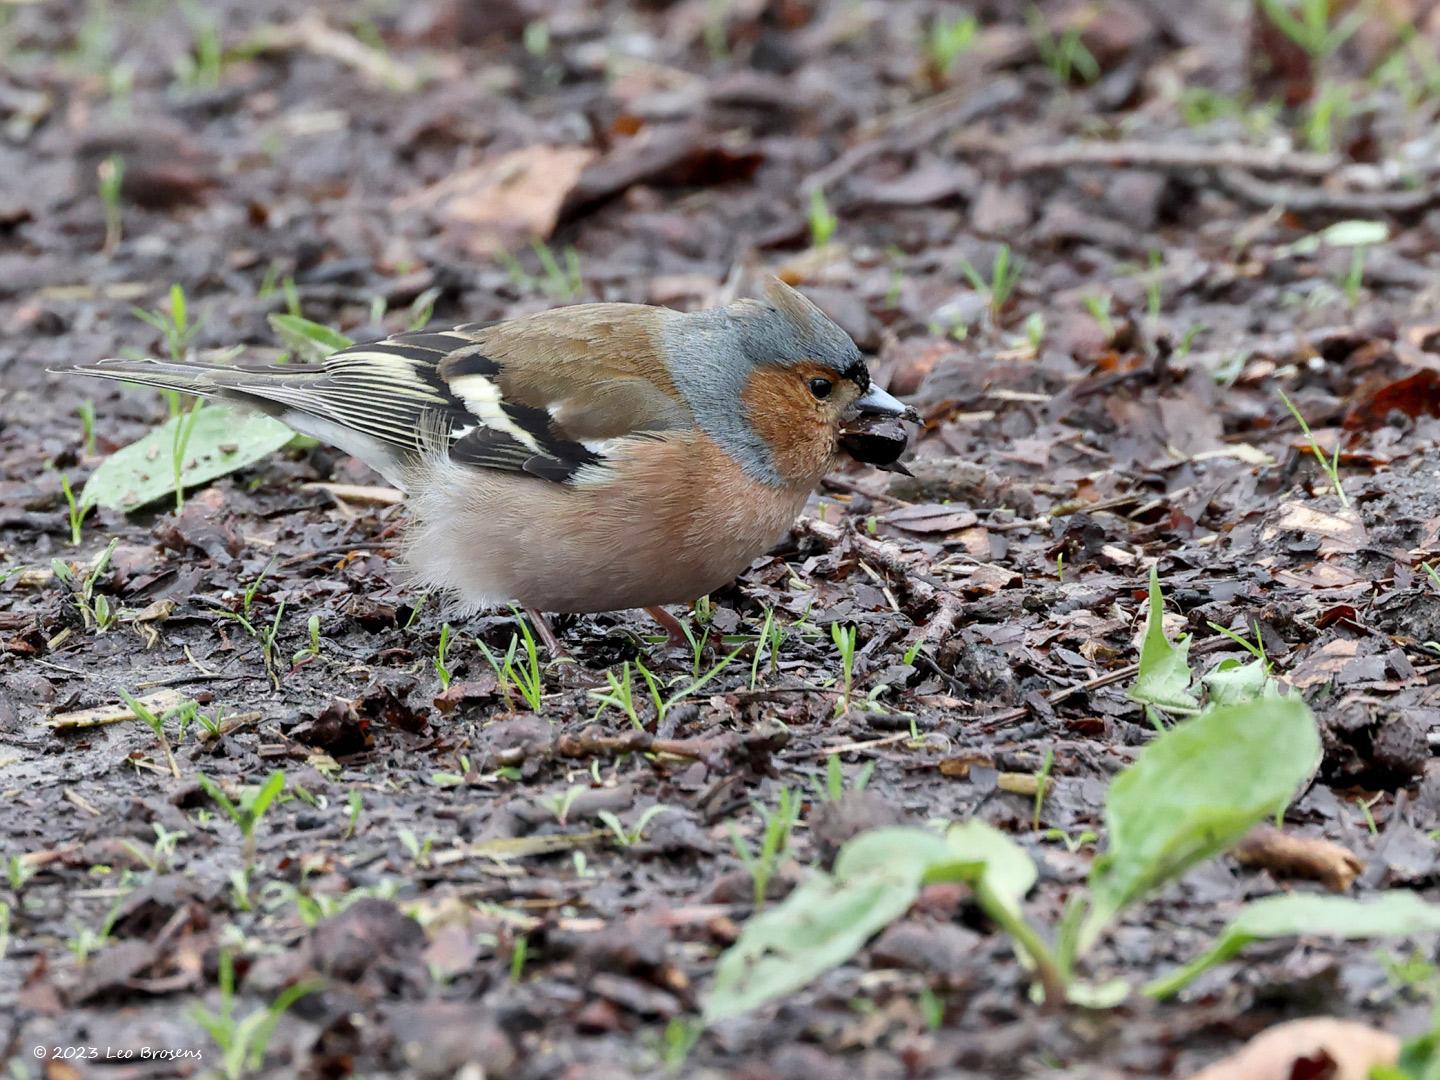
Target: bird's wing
(513,397)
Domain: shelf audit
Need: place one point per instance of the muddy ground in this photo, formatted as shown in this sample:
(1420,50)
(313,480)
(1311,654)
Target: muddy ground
(436,871)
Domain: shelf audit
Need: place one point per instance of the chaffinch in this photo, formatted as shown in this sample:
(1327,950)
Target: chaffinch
(590,458)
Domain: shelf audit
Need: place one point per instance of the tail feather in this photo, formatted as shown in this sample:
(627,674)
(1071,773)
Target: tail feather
(270,390)
(188,378)
(201,380)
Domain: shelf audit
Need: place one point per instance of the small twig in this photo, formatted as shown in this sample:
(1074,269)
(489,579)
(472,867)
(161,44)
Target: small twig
(911,126)
(890,557)
(1325,200)
(364,494)
(1054,697)
(325,553)
(71,796)
(313,34)
(868,744)
(1167,156)
(837,483)
(159,702)
(590,743)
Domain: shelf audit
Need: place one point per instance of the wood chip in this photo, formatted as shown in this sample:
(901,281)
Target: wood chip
(365,494)
(1307,857)
(1017,783)
(160,702)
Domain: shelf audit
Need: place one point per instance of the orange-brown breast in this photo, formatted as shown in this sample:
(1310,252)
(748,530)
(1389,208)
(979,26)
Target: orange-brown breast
(669,519)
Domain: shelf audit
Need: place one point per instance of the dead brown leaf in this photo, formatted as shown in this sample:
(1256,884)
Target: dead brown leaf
(1414,395)
(1325,663)
(1340,530)
(931,518)
(505,201)
(1319,1047)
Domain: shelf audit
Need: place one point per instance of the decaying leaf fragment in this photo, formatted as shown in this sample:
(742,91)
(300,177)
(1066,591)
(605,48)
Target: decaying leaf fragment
(507,200)
(1317,1046)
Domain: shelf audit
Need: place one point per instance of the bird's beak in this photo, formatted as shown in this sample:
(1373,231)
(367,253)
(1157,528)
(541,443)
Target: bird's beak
(876,402)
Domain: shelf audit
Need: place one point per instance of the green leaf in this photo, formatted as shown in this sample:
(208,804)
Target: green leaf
(1355,233)
(1419,1057)
(1394,914)
(899,850)
(1232,682)
(1000,863)
(826,920)
(877,876)
(211,788)
(309,340)
(274,784)
(821,924)
(223,440)
(1193,793)
(1164,676)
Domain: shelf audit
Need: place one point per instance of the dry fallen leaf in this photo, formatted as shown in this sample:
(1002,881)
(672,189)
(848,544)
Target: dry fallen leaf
(1415,395)
(987,578)
(931,518)
(505,201)
(1323,664)
(1320,1046)
(1340,531)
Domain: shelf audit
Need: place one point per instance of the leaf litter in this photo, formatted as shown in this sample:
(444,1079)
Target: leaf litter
(1116,535)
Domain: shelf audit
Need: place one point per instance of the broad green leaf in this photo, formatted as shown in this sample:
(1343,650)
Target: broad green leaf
(222,440)
(1002,864)
(1193,793)
(1164,676)
(1394,914)
(1232,681)
(820,925)
(309,340)
(1341,234)
(898,850)
(825,921)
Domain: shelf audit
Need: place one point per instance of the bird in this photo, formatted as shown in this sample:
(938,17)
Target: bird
(589,458)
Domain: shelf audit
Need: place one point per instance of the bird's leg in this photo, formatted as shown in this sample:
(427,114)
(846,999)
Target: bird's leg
(547,635)
(672,626)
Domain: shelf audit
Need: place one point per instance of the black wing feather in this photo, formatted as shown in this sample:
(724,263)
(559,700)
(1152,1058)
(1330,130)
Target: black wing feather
(412,383)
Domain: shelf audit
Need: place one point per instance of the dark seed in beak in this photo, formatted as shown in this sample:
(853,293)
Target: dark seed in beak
(876,442)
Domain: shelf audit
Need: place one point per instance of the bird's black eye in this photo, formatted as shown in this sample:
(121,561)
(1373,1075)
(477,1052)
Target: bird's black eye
(821,387)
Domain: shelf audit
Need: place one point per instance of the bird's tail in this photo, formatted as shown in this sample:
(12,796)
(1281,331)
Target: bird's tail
(249,386)
(197,379)
(292,394)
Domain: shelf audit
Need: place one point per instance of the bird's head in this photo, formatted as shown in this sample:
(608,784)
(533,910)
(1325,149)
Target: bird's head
(783,388)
